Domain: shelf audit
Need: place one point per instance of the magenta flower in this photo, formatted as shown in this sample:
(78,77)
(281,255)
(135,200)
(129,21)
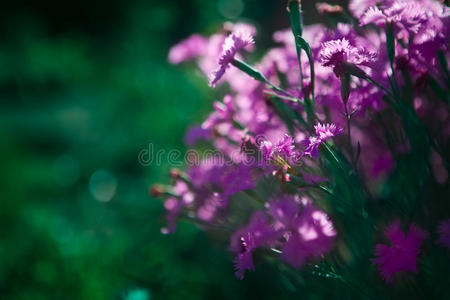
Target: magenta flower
(323,133)
(196,133)
(312,234)
(444,233)
(405,16)
(192,47)
(266,148)
(174,205)
(326,131)
(338,53)
(284,148)
(245,241)
(224,112)
(235,42)
(402,254)
(235,180)
(307,230)
(358,7)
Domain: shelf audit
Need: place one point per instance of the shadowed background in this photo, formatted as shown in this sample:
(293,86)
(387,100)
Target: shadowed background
(84,86)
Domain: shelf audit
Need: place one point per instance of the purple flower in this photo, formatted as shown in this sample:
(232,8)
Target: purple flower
(266,148)
(224,112)
(405,16)
(311,234)
(192,47)
(244,258)
(236,180)
(358,7)
(284,148)
(326,131)
(196,133)
(245,241)
(210,205)
(236,41)
(338,53)
(323,133)
(444,233)
(299,228)
(174,205)
(402,255)
(284,211)
(325,8)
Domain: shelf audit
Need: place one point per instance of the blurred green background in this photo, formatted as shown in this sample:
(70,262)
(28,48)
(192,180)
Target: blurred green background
(84,86)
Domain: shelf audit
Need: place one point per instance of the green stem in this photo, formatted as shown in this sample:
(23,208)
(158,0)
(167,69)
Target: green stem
(255,74)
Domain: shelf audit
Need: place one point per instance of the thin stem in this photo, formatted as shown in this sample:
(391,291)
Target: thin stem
(299,51)
(255,74)
(292,99)
(349,136)
(389,93)
(278,89)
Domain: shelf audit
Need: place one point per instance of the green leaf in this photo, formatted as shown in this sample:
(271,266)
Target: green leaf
(390,42)
(345,87)
(300,42)
(444,65)
(296,18)
(436,87)
(249,70)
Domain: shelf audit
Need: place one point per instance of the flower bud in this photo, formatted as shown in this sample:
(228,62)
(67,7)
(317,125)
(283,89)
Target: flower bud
(156,190)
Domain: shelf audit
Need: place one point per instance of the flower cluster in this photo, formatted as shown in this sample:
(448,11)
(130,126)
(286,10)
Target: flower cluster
(294,226)
(316,148)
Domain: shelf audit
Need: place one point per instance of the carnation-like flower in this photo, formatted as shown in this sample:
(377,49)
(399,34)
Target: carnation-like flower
(173,205)
(284,148)
(192,47)
(323,133)
(402,254)
(325,8)
(245,241)
(235,42)
(196,133)
(358,7)
(405,16)
(338,53)
(444,233)
(308,230)
(326,131)
(224,112)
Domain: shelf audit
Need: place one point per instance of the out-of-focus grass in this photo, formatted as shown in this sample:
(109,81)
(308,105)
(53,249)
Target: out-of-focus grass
(82,92)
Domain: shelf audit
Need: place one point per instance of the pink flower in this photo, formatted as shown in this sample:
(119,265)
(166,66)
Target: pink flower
(245,241)
(326,131)
(358,7)
(313,235)
(192,47)
(336,53)
(308,231)
(444,233)
(407,16)
(284,148)
(402,255)
(236,41)
(224,112)
(323,132)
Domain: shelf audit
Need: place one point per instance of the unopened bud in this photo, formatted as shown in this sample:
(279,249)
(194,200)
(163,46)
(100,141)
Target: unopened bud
(325,8)
(345,87)
(175,173)
(288,7)
(156,190)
